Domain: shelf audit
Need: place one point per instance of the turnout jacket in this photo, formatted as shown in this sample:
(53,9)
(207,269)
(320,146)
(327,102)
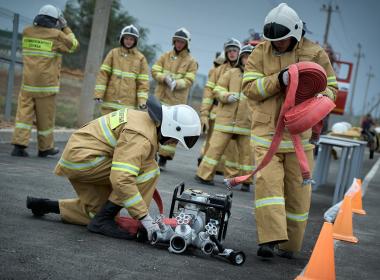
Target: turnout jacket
(232,117)
(42,58)
(265,94)
(182,67)
(127,140)
(123,79)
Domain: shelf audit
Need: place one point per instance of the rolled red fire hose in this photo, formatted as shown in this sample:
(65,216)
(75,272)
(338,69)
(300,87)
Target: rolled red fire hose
(301,111)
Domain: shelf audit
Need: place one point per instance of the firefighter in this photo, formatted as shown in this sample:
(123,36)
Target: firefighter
(174,73)
(123,79)
(232,121)
(42,45)
(208,126)
(209,107)
(281,201)
(111,164)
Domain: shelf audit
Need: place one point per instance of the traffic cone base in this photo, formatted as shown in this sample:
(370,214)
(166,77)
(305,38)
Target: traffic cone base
(342,229)
(321,265)
(359,211)
(342,237)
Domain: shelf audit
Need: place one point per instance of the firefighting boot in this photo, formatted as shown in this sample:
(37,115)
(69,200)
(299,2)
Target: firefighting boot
(162,162)
(104,222)
(245,187)
(266,250)
(19,151)
(50,152)
(204,182)
(42,206)
(284,254)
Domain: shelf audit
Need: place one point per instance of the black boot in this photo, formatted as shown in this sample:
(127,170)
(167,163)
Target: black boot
(204,182)
(50,152)
(162,162)
(284,254)
(19,151)
(104,222)
(266,250)
(42,206)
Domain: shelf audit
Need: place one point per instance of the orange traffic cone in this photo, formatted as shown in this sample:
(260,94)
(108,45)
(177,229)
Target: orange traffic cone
(342,229)
(357,205)
(321,265)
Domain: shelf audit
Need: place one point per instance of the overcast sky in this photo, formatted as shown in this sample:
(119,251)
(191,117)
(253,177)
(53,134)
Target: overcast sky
(211,22)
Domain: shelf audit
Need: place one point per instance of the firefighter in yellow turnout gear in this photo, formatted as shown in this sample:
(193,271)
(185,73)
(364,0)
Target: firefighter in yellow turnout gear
(174,73)
(42,45)
(111,164)
(281,201)
(123,79)
(208,123)
(210,106)
(232,121)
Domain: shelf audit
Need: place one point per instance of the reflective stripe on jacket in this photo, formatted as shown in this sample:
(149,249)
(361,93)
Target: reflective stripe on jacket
(42,58)
(209,107)
(127,139)
(232,117)
(262,87)
(182,68)
(123,79)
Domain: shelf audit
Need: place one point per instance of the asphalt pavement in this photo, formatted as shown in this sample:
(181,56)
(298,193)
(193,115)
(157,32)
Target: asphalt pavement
(46,248)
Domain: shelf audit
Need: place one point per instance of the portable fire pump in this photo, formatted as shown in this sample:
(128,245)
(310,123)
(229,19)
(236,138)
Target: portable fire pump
(201,221)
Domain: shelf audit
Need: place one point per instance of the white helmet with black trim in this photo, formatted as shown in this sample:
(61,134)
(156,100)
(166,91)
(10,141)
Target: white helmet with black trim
(281,23)
(231,43)
(220,58)
(181,122)
(50,10)
(183,34)
(245,49)
(129,30)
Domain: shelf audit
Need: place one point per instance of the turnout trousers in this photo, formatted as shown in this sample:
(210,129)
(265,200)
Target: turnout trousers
(282,203)
(218,144)
(94,188)
(43,110)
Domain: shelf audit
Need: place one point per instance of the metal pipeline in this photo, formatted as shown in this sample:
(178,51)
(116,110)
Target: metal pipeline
(203,242)
(181,239)
(162,236)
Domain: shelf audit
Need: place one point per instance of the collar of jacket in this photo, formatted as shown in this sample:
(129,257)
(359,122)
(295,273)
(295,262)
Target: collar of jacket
(125,51)
(183,53)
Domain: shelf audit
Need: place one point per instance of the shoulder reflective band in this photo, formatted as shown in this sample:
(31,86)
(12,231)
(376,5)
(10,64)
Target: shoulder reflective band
(107,133)
(38,44)
(117,118)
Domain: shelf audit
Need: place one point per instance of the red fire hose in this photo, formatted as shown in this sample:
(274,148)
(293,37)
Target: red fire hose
(301,111)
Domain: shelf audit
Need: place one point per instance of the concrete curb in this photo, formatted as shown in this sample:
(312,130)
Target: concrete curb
(60,135)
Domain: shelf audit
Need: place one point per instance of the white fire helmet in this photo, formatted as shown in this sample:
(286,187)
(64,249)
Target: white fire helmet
(183,34)
(282,22)
(51,11)
(129,30)
(181,122)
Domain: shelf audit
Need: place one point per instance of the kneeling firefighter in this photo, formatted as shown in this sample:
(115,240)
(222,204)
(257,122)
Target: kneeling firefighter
(111,164)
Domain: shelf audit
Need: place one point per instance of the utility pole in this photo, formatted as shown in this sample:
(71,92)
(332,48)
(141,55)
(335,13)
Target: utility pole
(370,75)
(359,55)
(329,9)
(94,59)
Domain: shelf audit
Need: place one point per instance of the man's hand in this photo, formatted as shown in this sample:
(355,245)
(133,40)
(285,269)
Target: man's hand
(98,100)
(205,124)
(283,77)
(168,80)
(150,225)
(232,98)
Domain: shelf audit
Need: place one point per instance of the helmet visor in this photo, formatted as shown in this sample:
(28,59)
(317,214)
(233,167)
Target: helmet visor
(190,140)
(275,31)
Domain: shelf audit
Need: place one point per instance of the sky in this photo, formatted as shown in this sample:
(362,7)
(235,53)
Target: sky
(211,22)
